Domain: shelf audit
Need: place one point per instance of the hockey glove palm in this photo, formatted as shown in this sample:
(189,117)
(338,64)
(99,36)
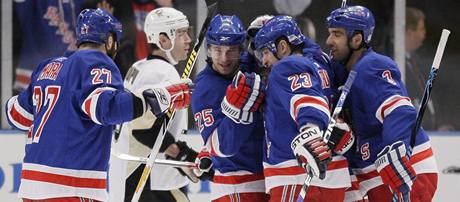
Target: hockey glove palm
(311,151)
(244,96)
(395,169)
(204,164)
(341,139)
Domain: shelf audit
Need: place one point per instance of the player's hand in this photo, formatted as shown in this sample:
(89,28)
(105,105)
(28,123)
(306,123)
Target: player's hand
(182,152)
(395,169)
(180,93)
(243,97)
(159,99)
(204,164)
(341,139)
(311,151)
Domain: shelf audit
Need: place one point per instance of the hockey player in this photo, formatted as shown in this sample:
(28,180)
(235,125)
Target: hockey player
(166,30)
(225,106)
(381,114)
(69,111)
(296,113)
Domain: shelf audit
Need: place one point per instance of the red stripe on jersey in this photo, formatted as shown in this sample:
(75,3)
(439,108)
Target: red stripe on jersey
(308,99)
(237,179)
(337,164)
(64,180)
(293,170)
(88,107)
(367,176)
(384,108)
(421,156)
(18,117)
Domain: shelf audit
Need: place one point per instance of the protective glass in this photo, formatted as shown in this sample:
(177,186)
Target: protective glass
(224,52)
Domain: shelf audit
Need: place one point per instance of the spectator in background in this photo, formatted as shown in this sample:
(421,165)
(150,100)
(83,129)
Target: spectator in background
(416,73)
(42,29)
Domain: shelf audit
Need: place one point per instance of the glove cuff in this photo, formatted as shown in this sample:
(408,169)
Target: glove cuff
(235,114)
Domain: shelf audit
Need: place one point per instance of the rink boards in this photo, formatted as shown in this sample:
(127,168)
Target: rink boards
(445,145)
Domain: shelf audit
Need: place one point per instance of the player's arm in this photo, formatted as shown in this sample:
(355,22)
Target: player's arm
(19,110)
(397,115)
(222,134)
(105,102)
(309,109)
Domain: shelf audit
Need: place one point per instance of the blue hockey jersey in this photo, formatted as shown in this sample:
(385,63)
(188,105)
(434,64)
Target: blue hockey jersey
(323,64)
(295,98)
(236,149)
(68,110)
(381,114)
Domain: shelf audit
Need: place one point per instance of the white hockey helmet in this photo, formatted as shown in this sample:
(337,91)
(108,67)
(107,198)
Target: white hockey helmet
(164,20)
(257,23)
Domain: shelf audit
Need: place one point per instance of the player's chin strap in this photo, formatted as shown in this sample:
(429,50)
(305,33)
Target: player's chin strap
(168,53)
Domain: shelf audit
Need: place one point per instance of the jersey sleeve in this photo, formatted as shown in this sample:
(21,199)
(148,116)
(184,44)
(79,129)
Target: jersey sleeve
(103,98)
(222,136)
(389,102)
(20,108)
(300,94)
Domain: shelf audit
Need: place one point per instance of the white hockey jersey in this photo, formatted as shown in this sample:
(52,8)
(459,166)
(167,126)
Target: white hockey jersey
(149,72)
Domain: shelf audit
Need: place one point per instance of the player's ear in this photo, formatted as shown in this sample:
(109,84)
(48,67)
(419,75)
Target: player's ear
(165,42)
(110,44)
(283,48)
(356,41)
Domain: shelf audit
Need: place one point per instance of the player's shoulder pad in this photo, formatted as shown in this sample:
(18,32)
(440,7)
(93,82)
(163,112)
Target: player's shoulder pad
(294,65)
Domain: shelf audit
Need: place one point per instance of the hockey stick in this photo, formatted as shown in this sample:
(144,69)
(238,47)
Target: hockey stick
(212,9)
(429,84)
(143,160)
(330,126)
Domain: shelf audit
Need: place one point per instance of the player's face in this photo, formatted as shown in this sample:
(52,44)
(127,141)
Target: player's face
(338,43)
(268,59)
(181,44)
(225,59)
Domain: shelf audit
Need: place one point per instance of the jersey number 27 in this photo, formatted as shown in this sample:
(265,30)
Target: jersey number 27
(44,101)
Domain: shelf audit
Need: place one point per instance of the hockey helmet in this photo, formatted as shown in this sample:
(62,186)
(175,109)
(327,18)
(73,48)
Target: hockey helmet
(275,28)
(94,25)
(353,18)
(226,30)
(164,20)
(257,23)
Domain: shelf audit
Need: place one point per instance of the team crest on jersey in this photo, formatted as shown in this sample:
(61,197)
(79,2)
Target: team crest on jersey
(387,75)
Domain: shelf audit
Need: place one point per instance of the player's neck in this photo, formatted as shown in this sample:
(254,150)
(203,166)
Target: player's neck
(92,46)
(357,54)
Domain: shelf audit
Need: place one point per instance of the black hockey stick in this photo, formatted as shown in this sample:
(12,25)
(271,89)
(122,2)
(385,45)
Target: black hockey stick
(212,9)
(429,85)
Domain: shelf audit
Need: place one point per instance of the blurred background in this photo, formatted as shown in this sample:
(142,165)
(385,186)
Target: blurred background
(406,30)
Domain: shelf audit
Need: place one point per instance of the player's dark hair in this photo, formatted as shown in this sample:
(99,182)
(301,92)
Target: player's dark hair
(294,48)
